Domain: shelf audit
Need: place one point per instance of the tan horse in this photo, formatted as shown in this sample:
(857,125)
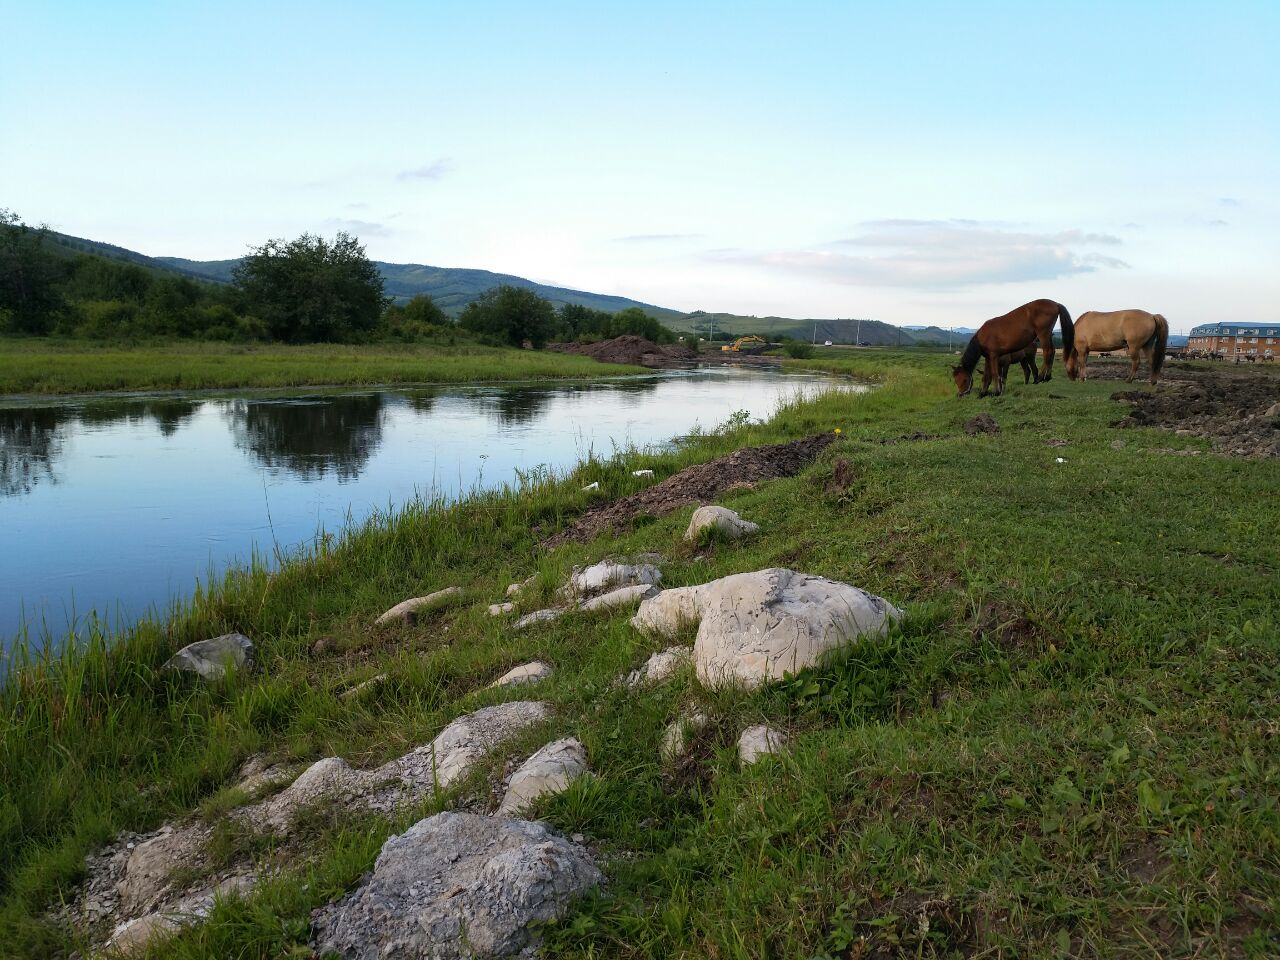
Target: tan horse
(1139,332)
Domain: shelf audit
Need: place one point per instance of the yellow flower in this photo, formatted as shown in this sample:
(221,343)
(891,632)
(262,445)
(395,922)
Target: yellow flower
(837,429)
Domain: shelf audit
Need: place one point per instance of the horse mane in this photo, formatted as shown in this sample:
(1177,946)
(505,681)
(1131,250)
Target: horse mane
(972,354)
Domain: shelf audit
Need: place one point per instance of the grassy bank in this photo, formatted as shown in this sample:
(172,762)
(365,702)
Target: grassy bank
(1069,748)
(58,367)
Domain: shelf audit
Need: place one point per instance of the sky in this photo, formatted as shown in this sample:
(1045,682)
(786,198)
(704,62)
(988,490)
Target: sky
(933,163)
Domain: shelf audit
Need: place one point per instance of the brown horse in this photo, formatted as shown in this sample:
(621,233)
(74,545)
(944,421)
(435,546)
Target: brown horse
(1016,330)
(1026,358)
(1139,332)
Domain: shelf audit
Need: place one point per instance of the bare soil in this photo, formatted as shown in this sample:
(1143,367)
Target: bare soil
(699,484)
(1226,405)
(633,350)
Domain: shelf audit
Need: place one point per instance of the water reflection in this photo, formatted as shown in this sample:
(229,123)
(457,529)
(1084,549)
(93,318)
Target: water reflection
(30,441)
(309,437)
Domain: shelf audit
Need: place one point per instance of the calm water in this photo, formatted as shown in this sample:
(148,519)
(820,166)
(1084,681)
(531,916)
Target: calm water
(119,505)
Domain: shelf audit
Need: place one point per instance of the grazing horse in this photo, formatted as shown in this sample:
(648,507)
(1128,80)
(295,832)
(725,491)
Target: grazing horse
(1137,331)
(1016,330)
(1026,358)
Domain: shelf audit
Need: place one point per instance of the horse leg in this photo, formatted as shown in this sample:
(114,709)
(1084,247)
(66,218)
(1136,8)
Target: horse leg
(1149,352)
(1046,344)
(1084,364)
(1134,355)
(993,363)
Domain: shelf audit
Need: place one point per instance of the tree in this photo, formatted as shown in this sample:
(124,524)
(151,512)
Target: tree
(309,290)
(30,277)
(510,314)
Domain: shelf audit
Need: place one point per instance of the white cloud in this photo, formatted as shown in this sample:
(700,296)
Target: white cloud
(360,228)
(435,170)
(942,254)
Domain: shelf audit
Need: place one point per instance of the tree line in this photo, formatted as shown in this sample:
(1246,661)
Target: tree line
(307,290)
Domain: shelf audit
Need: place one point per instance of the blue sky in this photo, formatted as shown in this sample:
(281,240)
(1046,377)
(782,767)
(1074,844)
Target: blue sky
(912,162)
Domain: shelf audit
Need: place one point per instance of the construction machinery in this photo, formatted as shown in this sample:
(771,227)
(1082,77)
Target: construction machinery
(747,344)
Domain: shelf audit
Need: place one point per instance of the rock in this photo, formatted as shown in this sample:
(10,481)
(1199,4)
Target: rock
(759,741)
(540,616)
(154,861)
(406,780)
(642,473)
(622,597)
(133,935)
(525,673)
(407,611)
(1117,444)
(755,627)
(720,520)
(982,423)
(257,775)
(1273,410)
(679,734)
(363,687)
(594,485)
(515,589)
(498,609)
(454,886)
(659,666)
(606,574)
(547,771)
(210,658)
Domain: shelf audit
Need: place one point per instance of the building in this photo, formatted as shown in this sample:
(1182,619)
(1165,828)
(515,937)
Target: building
(1248,341)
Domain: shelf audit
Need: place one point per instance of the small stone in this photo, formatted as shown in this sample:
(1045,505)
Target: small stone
(525,673)
(622,597)
(1117,444)
(759,741)
(660,666)
(679,734)
(642,473)
(407,611)
(498,609)
(548,771)
(363,687)
(720,519)
(539,616)
(210,658)
(594,485)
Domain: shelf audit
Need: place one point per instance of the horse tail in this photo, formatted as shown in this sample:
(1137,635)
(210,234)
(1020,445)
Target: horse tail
(1068,331)
(1161,338)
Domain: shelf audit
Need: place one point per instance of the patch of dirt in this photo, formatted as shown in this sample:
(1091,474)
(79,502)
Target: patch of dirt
(1144,863)
(915,437)
(1010,629)
(1228,407)
(982,423)
(631,349)
(915,925)
(697,484)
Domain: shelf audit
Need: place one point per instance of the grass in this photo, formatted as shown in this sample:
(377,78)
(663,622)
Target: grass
(30,366)
(1068,749)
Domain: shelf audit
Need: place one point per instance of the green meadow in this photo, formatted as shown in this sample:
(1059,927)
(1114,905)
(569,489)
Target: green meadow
(1067,749)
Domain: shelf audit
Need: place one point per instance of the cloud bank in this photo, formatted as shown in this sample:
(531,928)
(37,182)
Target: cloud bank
(435,170)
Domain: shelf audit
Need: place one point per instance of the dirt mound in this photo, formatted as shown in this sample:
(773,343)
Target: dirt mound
(1228,409)
(697,484)
(630,349)
(982,423)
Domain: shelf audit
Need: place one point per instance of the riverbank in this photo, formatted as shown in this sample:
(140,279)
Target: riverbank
(48,367)
(1066,749)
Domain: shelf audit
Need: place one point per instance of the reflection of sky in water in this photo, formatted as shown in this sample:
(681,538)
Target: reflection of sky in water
(121,504)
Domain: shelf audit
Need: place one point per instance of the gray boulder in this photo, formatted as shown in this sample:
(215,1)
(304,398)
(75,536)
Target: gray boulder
(454,886)
(720,519)
(547,771)
(210,658)
(760,741)
(659,666)
(607,574)
(756,627)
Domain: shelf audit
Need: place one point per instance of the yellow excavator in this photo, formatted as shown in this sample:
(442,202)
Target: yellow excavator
(748,344)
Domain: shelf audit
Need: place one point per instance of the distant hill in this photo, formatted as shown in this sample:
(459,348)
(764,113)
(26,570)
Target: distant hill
(454,287)
(958,336)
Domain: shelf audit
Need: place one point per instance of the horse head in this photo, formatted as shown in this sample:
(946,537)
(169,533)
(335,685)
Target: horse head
(963,379)
(1073,365)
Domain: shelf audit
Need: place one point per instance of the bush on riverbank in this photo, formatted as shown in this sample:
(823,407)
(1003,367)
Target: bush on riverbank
(1065,750)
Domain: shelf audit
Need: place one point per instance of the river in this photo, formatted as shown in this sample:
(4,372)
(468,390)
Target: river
(118,505)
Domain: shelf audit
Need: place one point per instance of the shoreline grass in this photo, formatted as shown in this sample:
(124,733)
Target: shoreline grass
(49,367)
(1069,748)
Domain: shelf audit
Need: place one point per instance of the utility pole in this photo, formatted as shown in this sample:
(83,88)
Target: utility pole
(950,331)
(815,333)
(857,339)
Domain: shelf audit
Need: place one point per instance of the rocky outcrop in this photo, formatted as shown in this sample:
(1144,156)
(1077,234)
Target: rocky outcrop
(606,575)
(756,627)
(211,658)
(456,886)
(720,520)
(408,611)
(759,741)
(548,771)
(659,666)
(525,673)
(134,935)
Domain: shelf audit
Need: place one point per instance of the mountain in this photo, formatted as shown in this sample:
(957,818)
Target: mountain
(775,328)
(957,336)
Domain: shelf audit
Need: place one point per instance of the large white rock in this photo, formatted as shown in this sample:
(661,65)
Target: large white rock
(607,574)
(622,597)
(134,935)
(659,666)
(454,886)
(407,611)
(154,862)
(756,627)
(525,673)
(720,519)
(760,741)
(548,771)
(210,658)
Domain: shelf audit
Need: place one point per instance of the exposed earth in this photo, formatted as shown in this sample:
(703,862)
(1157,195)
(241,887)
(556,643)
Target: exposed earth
(1234,407)
(638,351)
